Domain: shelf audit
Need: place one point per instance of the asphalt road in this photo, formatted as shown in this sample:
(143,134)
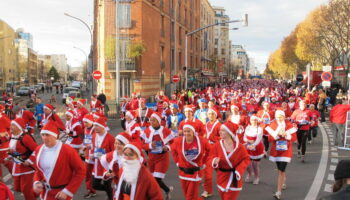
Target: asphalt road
(310,179)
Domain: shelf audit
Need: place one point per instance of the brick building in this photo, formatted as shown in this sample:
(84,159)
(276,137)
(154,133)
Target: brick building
(154,29)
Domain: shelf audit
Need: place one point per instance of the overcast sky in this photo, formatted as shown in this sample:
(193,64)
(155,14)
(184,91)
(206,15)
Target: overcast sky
(269,22)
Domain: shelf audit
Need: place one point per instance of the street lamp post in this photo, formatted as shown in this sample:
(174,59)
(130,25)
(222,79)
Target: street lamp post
(245,23)
(91,45)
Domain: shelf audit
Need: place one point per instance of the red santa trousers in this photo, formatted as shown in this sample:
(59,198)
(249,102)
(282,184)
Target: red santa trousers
(88,177)
(190,189)
(24,184)
(208,178)
(231,195)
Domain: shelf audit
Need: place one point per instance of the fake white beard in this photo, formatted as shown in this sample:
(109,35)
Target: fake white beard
(131,169)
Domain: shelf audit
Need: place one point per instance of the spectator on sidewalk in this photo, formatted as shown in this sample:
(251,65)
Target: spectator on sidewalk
(341,187)
(39,111)
(338,117)
(321,104)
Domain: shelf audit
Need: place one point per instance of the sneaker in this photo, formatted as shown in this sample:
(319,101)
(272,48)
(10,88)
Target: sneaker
(256,181)
(284,186)
(248,179)
(168,194)
(205,194)
(310,142)
(89,195)
(303,159)
(277,195)
(299,154)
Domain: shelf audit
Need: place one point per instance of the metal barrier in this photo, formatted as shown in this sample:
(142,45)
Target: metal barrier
(111,110)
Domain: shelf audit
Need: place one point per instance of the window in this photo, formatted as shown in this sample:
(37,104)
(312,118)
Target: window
(180,38)
(124,15)
(172,31)
(223,51)
(216,41)
(216,51)
(162,26)
(173,59)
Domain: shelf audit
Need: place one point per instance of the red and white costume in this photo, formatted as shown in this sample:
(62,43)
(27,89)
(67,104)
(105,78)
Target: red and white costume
(96,106)
(5,124)
(198,125)
(143,116)
(132,127)
(28,118)
(242,122)
(74,131)
(81,112)
(255,134)
(52,117)
(89,160)
(281,149)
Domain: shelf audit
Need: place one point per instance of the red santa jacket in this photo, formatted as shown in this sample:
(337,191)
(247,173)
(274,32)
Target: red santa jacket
(302,118)
(212,131)
(190,158)
(74,130)
(21,148)
(134,103)
(338,113)
(144,120)
(107,145)
(28,118)
(133,129)
(145,188)
(111,162)
(96,106)
(68,171)
(81,112)
(5,124)
(315,115)
(231,166)
(199,126)
(266,118)
(242,121)
(55,118)
(281,148)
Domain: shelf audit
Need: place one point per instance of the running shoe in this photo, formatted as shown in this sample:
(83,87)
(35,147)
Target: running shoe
(256,181)
(205,194)
(277,195)
(89,195)
(284,186)
(168,194)
(248,179)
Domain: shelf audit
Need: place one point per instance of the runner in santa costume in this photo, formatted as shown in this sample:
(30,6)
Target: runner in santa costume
(157,145)
(28,118)
(5,124)
(131,126)
(136,182)
(190,153)
(112,161)
(281,135)
(198,125)
(302,117)
(201,113)
(124,106)
(212,105)
(253,142)
(212,134)
(240,119)
(266,116)
(21,146)
(88,121)
(224,105)
(315,116)
(175,119)
(134,102)
(102,143)
(95,104)
(59,169)
(81,110)
(230,159)
(50,115)
(74,131)
(143,114)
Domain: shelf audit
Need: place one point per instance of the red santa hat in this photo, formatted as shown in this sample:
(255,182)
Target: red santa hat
(157,116)
(50,128)
(100,122)
(189,108)
(99,115)
(213,110)
(20,123)
(231,128)
(136,147)
(82,101)
(89,119)
(70,113)
(49,106)
(131,114)
(123,137)
(235,106)
(191,126)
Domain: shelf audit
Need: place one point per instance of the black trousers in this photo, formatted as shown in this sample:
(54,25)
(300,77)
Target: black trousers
(266,143)
(103,185)
(302,138)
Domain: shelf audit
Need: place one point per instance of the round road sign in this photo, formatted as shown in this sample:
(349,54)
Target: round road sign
(97,75)
(300,77)
(176,78)
(326,76)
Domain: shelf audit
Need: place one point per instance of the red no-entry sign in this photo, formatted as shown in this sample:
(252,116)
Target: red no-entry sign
(326,76)
(97,75)
(176,78)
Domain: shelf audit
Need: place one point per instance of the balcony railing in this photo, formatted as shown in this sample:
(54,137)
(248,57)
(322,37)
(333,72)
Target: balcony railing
(124,66)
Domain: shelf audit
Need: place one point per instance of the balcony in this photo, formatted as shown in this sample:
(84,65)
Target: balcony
(124,66)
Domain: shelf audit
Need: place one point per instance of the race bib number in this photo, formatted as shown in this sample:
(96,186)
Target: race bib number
(266,121)
(191,154)
(281,145)
(69,140)
(158,149)
(93,110)
(223,105)
(45,121)
(175,133)
(88,139)
(99,152)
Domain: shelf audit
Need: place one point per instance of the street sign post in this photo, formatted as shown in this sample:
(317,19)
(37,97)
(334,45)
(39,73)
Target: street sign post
(326,76)
(97,75)
(176,78)
(300,77)
(327,68)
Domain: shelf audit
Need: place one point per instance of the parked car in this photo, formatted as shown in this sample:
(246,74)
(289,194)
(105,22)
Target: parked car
(32,88)
(23,91)
(37,87)
(56,83)
(66,92)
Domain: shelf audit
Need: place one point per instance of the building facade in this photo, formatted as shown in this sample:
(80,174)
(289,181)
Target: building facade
(8,55)
(240,61)
(150,41)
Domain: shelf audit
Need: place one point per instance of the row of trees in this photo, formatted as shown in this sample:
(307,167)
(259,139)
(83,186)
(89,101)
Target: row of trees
(323,38)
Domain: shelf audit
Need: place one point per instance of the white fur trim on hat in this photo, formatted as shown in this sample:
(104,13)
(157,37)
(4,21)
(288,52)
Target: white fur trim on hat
(154,115)
(16,124)
(47,107)
(133,147)
(234,106)
(69,113)
(98,124)
(49,132)
(254,117)
(190,127)
(122,139)
(228,130)
(213,111)
(88,121)
(280,112)
(188,109)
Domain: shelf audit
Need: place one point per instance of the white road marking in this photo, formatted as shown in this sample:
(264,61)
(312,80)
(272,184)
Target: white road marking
(334,149)
(334,154)
(332,167)
(328,188)
(334,160)
(322,167)
(330,177)
(7,177)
